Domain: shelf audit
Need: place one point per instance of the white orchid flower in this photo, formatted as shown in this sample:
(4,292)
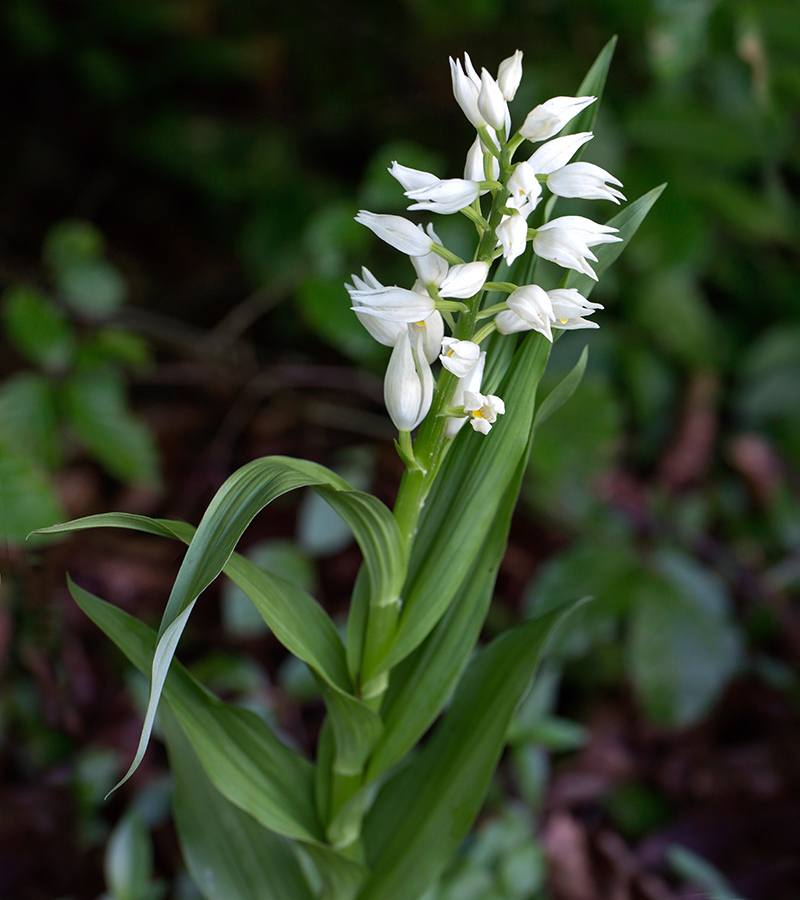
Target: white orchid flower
(509,75)
(470,382)
(570,307)
(591,233)
(398,232)
(524,189)
(557,153)
(474,168)
(512,235)
(384,332)
(529,309)
(395,304)
(466,89)
(411,179)
(445,196)
(431,330)
(586,181)
(491,102)
(483,410)
(408,385)
(548,118)
(464,280)
(566,241)
(459,357)
(430,268)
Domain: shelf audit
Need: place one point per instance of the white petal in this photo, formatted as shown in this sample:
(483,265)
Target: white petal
(491,102)
(411,179)
(464,280)
(512,234)
(446,196)
(408,385)
(393,303)
(557,153)
(432,333)
(398,232)
(548,118)
(459,357)
(509,75)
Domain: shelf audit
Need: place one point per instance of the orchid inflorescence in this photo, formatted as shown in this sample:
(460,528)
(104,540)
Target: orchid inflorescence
(449,291)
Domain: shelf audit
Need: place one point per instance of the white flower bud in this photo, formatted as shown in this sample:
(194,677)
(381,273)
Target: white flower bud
(474,169)
(586,181)
(548,118)
(509,75)
(491,102)
(466,89)
(398,232)
(557,153)
(408,385)
(459,357)
(464,280)
(512,235)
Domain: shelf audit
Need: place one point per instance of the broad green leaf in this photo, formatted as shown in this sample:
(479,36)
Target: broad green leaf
(27,498)
(242,757)
(71,242)
(421,816)
(129,860)
(228,854)
(97,408)
(682,649)
(235,505)
(627,222)
(562,392)
(38,328)
(94,288)
(463,502)
(296,619)
(28,419)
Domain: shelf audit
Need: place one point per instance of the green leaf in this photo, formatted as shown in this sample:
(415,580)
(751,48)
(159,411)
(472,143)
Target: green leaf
(27,498)
(228,854)
(464,500)
(296,619)
(71,242)
(562,392)
(129,859)
(235,505)
(682,648)
(38,328)
(241,756)
(627,223)
(97,408)
(94,288)
(421,816)
(421,685)
(592,85)
(356,728)
(28,419)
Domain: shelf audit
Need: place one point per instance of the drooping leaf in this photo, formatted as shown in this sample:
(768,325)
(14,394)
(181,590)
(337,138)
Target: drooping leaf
(242,757)
(421,816)
(228,854)
(296,619)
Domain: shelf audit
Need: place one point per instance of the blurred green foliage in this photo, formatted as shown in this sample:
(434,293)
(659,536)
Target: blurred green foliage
(76,393)
(200,135)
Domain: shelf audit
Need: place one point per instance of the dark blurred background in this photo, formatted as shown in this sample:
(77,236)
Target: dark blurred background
(176,225)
